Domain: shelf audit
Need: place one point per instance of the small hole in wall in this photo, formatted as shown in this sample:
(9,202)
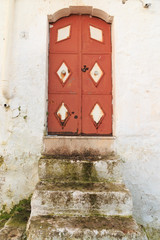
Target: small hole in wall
(6,105)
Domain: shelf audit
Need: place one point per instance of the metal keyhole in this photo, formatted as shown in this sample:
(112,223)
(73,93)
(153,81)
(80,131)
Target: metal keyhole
(85,68)
(96,73)
(63,72)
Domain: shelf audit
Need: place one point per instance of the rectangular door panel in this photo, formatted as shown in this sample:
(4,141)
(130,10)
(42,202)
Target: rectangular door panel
(97,79)
(64,35)
(63,73)
(96,35)
(63,116)
(96,114)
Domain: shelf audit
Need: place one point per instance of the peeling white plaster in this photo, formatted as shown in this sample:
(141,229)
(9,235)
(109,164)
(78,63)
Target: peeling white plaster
(15,113)
(136,98)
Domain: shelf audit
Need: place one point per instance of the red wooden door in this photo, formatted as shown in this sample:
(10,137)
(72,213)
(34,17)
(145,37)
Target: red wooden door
(80,87)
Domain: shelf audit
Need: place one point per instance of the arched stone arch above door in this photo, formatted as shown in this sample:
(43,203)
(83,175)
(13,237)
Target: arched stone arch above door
(65,12)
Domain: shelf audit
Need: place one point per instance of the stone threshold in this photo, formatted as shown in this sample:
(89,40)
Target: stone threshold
(67,145)
(80,137)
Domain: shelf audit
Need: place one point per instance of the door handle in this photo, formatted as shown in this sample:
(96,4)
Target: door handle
(84,69)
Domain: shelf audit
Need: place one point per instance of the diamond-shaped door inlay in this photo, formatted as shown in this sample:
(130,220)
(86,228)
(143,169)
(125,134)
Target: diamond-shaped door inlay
(63,73)
(96,73)
(63,33)
(96,33)
(63,114)
(97,115)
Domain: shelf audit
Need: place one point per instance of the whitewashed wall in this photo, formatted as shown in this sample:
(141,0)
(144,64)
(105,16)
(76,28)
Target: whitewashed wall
(136,90)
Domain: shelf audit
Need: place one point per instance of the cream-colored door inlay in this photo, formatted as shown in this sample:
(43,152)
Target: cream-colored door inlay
(96,73)
(96,33)
(63,33)
(63,73)
(97,114)
(63,114)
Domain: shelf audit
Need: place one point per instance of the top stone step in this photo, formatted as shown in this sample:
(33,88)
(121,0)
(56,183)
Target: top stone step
(85,168)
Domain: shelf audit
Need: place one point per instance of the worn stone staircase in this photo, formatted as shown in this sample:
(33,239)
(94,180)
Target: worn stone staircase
(82,197)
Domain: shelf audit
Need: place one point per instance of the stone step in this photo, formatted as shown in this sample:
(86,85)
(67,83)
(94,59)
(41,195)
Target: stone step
(92,228)
(81,199)
(69,145)
(80,168)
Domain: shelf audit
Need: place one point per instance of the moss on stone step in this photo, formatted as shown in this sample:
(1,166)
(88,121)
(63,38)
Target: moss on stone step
(51,169)
(85,228)
(152,233)
(87,155)
(81,186)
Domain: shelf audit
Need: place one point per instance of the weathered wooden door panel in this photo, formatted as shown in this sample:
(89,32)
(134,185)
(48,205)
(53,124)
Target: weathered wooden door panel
(97,79)
(96,35)
(64,35)
(63,111)
(80,87)
(96,114)
(64,86)
(63,73)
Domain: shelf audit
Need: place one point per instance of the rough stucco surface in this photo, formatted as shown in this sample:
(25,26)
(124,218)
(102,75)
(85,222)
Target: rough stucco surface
(136,81)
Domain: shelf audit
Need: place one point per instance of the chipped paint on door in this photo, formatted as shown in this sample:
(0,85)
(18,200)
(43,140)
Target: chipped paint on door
(80,87)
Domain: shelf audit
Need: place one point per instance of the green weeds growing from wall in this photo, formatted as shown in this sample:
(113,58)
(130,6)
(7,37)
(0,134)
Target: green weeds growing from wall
(19,214)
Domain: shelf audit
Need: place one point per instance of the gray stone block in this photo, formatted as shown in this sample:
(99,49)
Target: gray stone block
(87,170)
(81,199)
(92,228)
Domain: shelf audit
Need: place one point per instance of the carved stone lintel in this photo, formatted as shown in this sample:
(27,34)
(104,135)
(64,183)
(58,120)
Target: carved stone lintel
(80,10)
